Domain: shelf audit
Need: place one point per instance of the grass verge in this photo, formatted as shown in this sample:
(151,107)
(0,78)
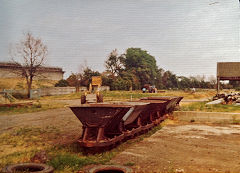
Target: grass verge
(51,102)
(134,95)
(21,144)
(201,106)
(37,106)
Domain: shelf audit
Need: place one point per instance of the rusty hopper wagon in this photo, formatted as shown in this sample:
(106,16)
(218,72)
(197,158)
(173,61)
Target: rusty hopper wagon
(107,124)
(173,101)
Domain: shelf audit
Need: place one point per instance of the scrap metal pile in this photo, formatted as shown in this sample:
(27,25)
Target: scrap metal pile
(108,124)
(232,98)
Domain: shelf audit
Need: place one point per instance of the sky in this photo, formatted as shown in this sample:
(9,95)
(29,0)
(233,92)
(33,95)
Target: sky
(187,37)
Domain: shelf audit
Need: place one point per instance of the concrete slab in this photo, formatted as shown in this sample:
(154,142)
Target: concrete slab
(213,117)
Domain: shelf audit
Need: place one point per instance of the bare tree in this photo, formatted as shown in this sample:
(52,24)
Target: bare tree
(28,56)
(114,63)
(212,79)
(76,79)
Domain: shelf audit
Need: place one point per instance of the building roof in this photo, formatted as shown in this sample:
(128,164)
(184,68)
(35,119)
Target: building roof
(11,65)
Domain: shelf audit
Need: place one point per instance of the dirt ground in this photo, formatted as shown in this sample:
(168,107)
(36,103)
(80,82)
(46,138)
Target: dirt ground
(62,119)
(185,147)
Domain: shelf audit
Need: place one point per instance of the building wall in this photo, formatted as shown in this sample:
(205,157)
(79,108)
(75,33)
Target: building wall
(50,75)
(7,73)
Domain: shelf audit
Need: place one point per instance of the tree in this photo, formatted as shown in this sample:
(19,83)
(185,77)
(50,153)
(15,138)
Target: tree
(87,76)
(28,56)
(62,83)
(158,81)
(184,82)
(75,80)
(141,64)
(169,80)
(114,63)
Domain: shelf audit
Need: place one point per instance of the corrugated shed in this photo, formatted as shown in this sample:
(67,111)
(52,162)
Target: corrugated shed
(228,69)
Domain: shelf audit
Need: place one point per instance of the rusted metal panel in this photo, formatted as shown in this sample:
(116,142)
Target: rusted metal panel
(228,70)
(99,115)
(173,101)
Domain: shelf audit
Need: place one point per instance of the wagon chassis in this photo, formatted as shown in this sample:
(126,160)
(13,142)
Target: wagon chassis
(105,125)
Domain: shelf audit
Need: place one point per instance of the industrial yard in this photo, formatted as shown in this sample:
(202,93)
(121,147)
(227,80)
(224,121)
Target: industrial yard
(142,86)
(173,146)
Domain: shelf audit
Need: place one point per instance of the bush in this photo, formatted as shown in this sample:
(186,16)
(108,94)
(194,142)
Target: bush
(20,95)
(62,83)
(121,84)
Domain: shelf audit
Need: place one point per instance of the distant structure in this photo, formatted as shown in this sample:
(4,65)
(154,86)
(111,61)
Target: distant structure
(227,71)
(51,73)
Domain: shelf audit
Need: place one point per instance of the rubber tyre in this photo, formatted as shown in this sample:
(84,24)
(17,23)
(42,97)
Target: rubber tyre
(83,99)
(43,168)
(99,98)
(109,168)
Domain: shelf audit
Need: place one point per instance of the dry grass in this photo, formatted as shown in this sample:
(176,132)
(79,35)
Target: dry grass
(134,95)
(50,102)
(20,145)
(63,97)
(202,107)
(35,107)
(20,83)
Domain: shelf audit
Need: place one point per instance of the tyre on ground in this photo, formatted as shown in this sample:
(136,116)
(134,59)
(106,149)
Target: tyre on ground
(28,167)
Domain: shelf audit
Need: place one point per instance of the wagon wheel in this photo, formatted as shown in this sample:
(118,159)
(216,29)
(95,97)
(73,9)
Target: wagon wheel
(99,98)
(121,127)
(83,99)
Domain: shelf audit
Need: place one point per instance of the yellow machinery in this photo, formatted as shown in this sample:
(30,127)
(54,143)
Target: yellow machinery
(93,95)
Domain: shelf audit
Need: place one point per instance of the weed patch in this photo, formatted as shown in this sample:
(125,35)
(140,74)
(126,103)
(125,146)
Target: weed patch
(201,106)
(74,158)
(72,161)
(129,164)
(36,107)
(235,120)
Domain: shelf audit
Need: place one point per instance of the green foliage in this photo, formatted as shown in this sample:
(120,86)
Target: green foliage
(184,82)
(74,80)
(107,81)
(169,80)
(62,161)
(114,63)
(134,69)
(62,83)
(121,84)
(137,67)
(87,76)
(235,84)
(142,65)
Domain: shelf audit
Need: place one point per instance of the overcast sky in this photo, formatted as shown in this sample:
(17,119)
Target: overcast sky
(186,37)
